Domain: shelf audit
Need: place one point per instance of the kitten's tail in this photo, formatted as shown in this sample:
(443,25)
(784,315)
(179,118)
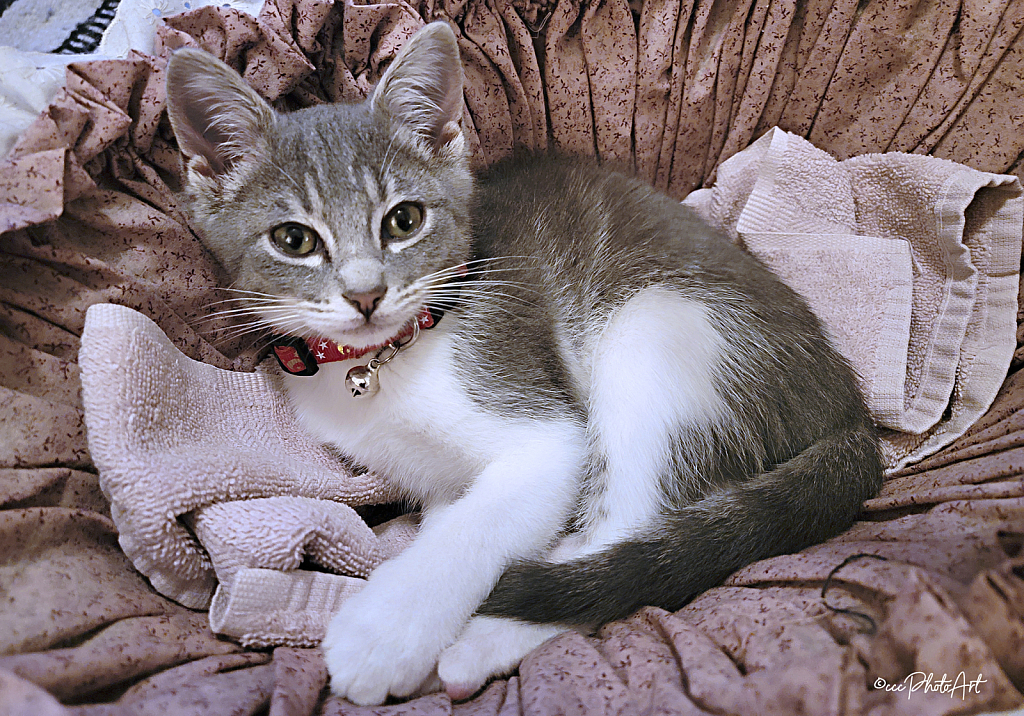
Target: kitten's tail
(806,500)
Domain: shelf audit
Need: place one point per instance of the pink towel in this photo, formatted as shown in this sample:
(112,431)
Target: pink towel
(177,441)
(911,261)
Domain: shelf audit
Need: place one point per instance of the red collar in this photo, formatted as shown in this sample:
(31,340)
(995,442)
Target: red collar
(302,356)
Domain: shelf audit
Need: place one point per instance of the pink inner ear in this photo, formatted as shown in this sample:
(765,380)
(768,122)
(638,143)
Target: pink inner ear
(202,153)
(204,137)
(217,118)
(449,132)
(202,166)
(422,88)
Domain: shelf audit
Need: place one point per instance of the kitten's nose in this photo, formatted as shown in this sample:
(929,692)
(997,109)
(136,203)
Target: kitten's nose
(366,303)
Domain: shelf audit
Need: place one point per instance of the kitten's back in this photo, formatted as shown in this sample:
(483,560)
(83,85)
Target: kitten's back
(584,239)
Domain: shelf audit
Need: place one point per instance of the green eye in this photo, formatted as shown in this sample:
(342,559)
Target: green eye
(403,221)
(295,239)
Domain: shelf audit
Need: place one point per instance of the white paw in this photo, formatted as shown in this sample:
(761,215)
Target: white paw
(489,647)
(380,644)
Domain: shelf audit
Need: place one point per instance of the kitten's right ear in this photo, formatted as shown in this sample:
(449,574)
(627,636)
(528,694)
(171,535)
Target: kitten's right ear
(217,118)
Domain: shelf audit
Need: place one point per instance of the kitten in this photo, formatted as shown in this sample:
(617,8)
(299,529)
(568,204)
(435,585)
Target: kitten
(617,408)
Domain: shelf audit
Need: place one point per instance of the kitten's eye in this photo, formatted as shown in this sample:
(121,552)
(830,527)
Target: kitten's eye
(403,221)
(295,239)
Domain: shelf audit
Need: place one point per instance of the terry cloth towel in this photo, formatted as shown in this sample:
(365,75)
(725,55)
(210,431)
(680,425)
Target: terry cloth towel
(912,262)
(183,444)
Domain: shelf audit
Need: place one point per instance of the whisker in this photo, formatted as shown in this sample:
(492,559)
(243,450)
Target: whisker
(475,293)
(475,280)
(493,284)
(455,300)
(245,291)
(459,269)
(246,311)
(501,282)
(251,326)
(242,299)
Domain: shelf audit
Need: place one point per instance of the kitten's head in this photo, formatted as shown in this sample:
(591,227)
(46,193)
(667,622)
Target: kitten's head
(344,220)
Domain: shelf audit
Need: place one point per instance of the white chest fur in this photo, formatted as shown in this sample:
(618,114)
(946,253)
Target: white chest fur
(421,430)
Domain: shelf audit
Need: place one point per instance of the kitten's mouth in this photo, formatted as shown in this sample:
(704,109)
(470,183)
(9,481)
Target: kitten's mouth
(372,332)
(315,322)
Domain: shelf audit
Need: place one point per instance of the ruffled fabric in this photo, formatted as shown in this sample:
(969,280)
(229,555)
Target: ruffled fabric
(672,89)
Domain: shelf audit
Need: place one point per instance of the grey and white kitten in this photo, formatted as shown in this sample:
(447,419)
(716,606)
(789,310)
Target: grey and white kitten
(619,408)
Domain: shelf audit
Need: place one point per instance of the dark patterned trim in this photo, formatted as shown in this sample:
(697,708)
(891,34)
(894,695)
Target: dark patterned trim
(87,35)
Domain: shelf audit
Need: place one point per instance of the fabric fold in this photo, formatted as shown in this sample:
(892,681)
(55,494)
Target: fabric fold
(262,550)
(912,262)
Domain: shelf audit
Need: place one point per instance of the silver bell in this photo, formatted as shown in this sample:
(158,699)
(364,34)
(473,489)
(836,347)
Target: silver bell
(362,381)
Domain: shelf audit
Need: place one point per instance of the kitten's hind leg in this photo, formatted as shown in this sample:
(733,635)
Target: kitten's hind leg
(490,646)
(654,379)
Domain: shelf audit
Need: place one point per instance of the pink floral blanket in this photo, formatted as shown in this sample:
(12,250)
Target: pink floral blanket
(917,609)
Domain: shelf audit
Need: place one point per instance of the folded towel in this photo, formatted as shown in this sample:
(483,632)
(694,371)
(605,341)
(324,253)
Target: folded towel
(174,438)
(912,262)
(258,547)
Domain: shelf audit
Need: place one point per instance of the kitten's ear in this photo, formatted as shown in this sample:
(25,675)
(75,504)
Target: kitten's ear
(422,88)
(218,119)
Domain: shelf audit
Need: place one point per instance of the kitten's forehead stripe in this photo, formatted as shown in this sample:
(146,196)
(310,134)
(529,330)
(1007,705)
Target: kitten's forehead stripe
(371,185)
(296,211)
(313,194)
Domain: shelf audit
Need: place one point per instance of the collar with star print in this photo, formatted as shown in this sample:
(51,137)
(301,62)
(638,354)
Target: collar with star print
(303,356)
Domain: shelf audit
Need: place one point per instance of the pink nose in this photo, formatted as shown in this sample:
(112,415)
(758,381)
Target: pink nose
(366,303)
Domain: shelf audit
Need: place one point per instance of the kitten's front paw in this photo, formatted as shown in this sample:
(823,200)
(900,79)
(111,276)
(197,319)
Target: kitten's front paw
(378,647)
(490,646)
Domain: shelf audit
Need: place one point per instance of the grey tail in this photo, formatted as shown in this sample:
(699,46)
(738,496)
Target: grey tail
(808,499)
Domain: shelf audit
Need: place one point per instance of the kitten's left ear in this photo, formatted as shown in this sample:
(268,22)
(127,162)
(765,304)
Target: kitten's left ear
(422,88)
(218,119)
